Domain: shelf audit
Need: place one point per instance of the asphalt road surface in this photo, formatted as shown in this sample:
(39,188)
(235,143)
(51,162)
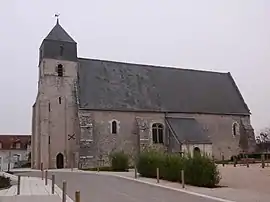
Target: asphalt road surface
(99,188)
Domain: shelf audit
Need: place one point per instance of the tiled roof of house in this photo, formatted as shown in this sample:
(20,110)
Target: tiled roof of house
(8,142)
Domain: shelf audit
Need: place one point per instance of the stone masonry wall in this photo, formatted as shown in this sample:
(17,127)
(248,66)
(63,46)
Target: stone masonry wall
(220,130)
(56,118)
(135,126)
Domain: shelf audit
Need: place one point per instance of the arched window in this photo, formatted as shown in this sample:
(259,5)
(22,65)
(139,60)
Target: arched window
(235,129)
(157,133)
(114,127)
(60,70)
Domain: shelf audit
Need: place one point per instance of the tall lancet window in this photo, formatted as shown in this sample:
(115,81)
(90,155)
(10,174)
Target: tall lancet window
(114,127)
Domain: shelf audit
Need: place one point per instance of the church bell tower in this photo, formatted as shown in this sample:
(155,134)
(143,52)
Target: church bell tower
(55,110)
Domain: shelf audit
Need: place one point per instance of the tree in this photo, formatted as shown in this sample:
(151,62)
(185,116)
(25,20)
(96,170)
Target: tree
(263,140)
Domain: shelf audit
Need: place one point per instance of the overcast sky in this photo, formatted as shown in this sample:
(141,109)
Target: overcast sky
(221,35)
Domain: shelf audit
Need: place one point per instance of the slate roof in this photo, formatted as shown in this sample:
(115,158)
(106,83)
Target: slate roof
(108,85)
(188,130)
(59,34)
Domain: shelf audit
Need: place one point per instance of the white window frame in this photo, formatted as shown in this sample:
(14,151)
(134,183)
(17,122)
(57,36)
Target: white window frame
(235,129)
(117,126)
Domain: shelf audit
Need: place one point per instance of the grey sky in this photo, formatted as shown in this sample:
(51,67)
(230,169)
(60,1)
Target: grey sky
(220,35)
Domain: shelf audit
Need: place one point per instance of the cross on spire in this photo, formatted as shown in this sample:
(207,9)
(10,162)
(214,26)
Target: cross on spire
(57,17)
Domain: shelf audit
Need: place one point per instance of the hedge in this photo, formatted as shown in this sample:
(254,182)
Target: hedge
(199,170)
(4,182)
(119,161)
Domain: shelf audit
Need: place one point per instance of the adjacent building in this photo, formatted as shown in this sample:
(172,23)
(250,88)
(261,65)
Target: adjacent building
(13,148)
(87,108)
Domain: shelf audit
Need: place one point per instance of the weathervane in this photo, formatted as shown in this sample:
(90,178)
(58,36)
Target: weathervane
(57,17)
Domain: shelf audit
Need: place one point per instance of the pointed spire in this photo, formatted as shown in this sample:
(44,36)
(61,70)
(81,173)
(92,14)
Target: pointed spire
(58,33)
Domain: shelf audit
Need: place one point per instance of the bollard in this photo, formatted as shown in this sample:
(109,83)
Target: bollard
(247,162)
(19,185)
(234,161)
(77,196)
(46,177)
(263,160)
(53,183)
(135,170)
(157,175)
(98,166)
(223,163)
(42,171)
(64,192)
(183,178)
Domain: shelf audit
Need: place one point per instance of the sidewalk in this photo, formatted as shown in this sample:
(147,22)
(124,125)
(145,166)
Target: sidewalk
(32,190)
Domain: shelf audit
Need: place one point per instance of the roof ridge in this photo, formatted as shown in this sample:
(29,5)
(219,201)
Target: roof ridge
(154,66)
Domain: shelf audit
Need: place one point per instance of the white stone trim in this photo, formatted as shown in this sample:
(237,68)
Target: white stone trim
(144,139)
(86,140)
(89,125)
(86,157)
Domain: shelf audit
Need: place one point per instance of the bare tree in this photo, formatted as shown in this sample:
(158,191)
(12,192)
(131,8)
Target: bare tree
(263,140)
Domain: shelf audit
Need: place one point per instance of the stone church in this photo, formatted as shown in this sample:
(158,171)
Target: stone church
(87,108)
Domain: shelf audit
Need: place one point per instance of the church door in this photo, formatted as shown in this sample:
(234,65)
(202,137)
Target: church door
(60,160)
(196,151)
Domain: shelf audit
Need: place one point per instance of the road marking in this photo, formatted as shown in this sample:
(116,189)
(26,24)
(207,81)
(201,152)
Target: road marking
(166,187)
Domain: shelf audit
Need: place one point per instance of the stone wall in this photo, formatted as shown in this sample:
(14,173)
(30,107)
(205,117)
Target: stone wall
(220,130)
(134,134)
(56,118)
(132,128)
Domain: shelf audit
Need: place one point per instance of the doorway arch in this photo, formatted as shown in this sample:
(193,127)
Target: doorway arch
(60,161)
(196,151)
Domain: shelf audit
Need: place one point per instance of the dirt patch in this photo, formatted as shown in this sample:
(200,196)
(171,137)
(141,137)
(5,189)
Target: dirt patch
(241,177)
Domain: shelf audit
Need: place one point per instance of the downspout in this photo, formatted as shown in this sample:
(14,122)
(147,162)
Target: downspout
(172,132)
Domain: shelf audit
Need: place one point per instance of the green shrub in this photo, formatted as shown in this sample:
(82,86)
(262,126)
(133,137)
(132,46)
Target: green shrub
(171,170)
(4,182)
(119,161)
(199,170)
(149,161)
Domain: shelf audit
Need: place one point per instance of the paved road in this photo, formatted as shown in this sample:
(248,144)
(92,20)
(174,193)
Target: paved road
(99,188)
